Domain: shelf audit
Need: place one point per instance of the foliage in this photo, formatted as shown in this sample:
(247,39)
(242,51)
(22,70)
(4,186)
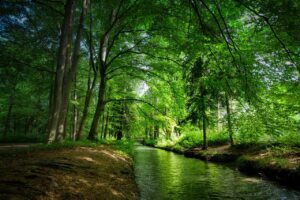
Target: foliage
(171,68)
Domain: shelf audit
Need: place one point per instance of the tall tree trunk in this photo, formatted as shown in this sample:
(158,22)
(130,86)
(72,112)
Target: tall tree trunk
(75,112)
(51,100)
(156,131)
(62,121)
(60,70)
(103,47)
(151,132)
(106,124)
(29,125)
(102,126)
(146,132)
(219,113)
(91,84)
(14,123)
(229,123)
(204,119)
(70,76)
(93,134)
(87,102)
(8,117)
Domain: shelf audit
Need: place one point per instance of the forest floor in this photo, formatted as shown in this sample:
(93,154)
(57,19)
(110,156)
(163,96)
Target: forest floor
(277,163)
(99,172)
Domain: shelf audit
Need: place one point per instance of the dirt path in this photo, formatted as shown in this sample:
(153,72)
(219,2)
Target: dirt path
(15,145)
(80,173)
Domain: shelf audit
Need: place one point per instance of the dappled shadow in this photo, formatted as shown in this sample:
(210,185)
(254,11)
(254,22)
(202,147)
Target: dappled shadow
(81,173)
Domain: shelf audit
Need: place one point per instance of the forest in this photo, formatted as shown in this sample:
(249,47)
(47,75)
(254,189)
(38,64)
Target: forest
(174,74)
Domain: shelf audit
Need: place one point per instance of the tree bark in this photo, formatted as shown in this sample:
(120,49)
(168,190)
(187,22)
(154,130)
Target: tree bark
(8,118)
(106,124)
(204,145)
(229,122)
(51,100)
(156,131)
(70,75)
(146,132)
(29,125)
(102,126)
(93,133)
(75,112)
(87,102)
(103,47)
(91,84)
(60,70)
(219,116)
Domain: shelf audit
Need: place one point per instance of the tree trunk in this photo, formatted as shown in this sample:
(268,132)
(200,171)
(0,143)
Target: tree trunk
(151,132)
(91,84)
(204,145)
(229,123)
(70,76)
(75,113)
(106,124)
(103,47)
(156,131)
(62,121)
(28,125)
(60,70)
(146,132)
(219,113)
(51,100)
(93,134)
(8,118)
(87,102)
(102,126)
(168,131)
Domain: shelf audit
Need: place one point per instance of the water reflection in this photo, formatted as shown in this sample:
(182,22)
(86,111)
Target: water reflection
(165,175)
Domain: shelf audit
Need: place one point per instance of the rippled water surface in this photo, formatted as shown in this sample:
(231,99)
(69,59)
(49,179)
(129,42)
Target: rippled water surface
(165,175)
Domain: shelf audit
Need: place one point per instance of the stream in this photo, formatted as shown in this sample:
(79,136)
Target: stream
(165,175)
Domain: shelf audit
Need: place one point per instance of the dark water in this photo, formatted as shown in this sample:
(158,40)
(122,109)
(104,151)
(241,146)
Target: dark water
(165,175)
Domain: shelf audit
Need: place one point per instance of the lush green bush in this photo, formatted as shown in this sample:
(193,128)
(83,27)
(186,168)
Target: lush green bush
(290,139)
(189,140)
(192,140)
(150,142)
(217,138)
(125,146)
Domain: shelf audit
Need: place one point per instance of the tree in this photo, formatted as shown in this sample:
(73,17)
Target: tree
(65,71)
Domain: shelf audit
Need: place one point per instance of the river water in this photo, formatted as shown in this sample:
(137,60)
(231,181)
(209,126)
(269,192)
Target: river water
(166,175)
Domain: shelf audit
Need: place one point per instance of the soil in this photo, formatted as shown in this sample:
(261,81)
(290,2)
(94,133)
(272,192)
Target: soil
(78,173)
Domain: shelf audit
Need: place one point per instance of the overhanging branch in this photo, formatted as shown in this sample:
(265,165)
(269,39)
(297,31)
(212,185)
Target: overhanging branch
(135,100)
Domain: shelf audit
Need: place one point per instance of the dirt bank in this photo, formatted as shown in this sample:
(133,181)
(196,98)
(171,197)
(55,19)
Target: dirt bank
(78,173)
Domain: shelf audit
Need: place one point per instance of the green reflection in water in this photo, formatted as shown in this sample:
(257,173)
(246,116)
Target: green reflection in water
(165,175)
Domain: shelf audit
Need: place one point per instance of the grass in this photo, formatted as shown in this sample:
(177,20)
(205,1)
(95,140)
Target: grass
(123,146)
(280,157)
(190,140)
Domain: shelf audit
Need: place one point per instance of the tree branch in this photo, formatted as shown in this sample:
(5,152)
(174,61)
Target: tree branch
(129,50)
(267,21)
(136,100)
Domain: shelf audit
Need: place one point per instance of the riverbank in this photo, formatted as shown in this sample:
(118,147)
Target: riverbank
(59,172)
(277,163)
